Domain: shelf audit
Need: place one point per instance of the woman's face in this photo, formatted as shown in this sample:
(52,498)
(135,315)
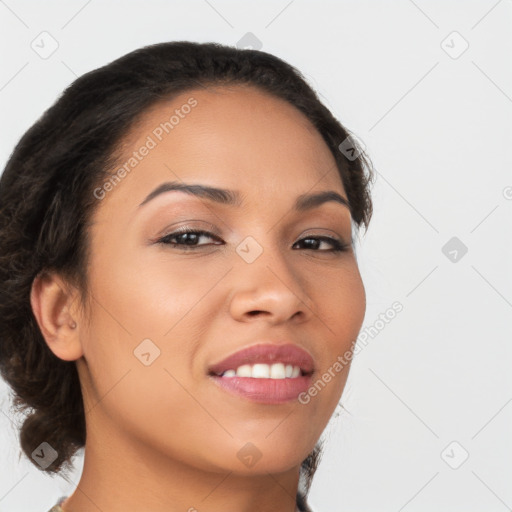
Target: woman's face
(163,314)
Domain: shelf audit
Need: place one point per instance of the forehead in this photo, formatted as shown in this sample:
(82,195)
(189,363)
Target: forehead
(235,137)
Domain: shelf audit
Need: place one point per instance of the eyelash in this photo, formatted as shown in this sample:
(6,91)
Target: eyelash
(337,245)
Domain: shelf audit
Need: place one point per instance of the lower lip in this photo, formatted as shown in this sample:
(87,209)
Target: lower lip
(265,391)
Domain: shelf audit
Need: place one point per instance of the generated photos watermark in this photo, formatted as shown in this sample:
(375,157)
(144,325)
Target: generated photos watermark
(152,141)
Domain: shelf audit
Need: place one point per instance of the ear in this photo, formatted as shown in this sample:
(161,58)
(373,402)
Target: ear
(52,300)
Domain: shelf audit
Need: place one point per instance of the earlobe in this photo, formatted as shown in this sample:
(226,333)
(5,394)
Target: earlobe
(51,302)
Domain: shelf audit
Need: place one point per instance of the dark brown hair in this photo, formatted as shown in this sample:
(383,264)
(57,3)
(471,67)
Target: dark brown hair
(46,202)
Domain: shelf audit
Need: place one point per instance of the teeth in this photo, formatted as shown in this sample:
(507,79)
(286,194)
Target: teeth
(244,371)
(277,371)
(264,371)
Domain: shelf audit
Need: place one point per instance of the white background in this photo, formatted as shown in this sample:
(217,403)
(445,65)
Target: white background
(438,131)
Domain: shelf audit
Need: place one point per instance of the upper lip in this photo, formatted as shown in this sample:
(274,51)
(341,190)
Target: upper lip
(266,353)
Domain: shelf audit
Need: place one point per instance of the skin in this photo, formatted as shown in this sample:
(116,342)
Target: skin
(163,437)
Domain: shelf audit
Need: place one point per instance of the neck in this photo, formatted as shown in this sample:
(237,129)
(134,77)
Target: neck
(121,474)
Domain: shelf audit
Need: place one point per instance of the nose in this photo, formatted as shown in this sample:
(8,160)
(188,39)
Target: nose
(268,288)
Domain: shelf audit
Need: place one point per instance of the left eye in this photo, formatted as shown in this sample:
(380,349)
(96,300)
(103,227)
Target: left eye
(188,239)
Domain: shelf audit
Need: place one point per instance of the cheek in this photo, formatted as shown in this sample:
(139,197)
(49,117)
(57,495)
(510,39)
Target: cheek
(341,300)
(139,350)
(150,292)
(353,304)
(149,311)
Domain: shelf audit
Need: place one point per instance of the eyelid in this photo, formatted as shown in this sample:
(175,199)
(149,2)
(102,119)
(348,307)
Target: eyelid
(177,226)
(201,224)
(317,232)
(332,231)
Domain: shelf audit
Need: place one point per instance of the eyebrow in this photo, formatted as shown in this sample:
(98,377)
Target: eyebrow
(233,198)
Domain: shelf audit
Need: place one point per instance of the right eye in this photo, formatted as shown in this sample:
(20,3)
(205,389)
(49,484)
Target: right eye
(186,238)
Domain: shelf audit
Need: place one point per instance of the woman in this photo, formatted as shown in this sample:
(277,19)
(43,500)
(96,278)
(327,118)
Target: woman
(180,292)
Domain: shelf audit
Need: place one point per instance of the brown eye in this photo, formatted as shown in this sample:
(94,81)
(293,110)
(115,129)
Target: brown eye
(313,242)
(186,238)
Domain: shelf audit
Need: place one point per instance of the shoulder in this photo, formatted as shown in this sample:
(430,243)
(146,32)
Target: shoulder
(57,507)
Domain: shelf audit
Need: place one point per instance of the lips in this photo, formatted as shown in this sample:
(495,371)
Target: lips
(266,354)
